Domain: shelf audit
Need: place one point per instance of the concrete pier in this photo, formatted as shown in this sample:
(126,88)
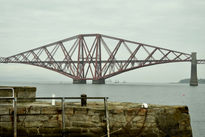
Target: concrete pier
(99,81)
(76,81)
(194,79)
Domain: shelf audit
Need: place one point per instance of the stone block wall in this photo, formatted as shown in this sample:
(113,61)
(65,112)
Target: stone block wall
(40,119)
(20,92)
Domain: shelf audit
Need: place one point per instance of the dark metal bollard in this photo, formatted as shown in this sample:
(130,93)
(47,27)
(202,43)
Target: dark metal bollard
(83,99)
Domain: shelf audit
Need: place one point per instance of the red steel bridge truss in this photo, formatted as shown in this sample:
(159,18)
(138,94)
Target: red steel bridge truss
(96,56)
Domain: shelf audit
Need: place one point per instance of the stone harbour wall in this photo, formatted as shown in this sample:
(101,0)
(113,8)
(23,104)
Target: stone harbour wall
(20,92)
(41,119)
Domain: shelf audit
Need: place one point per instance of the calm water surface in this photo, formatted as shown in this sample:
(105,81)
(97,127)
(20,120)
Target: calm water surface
(165,94)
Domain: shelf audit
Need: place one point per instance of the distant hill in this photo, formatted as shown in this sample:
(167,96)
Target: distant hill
(201,81)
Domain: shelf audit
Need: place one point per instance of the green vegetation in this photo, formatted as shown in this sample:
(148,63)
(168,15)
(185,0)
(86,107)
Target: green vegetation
(201,81)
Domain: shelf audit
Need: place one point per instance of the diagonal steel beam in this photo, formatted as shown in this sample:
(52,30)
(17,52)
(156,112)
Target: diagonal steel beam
(112,56)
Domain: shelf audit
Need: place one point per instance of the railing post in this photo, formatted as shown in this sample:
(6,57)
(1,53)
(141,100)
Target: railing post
(15,116)
(63,116)
(107,117)
(13,95)
(83,100)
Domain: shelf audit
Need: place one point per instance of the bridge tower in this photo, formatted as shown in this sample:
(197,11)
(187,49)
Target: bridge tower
(193,79)
(80,65)
(98,64)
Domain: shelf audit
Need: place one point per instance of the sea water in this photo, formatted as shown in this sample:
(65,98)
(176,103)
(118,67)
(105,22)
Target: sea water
(151,93)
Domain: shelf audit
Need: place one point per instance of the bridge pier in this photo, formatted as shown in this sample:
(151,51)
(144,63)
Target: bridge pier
(79,81)
(193,79)
(99,81)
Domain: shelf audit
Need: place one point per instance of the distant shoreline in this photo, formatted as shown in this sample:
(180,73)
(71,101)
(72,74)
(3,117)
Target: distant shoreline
(201,81)
(182,81)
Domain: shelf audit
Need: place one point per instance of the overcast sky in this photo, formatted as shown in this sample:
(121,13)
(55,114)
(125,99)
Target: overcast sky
(172,24)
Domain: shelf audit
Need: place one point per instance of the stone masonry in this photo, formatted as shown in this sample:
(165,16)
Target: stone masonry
(20,92)
(41,119)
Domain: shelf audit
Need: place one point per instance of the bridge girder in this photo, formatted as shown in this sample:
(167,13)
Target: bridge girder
(96,56)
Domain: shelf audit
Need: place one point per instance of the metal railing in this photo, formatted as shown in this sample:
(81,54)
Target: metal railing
(62,107)
(14,107)
(13,94)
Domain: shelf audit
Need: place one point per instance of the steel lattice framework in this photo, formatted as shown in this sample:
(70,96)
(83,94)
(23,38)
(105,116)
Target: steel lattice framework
(96,56)
(200,61)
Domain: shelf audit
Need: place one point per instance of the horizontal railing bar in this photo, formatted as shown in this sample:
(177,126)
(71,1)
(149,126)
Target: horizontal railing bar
(6,98)
(65,98)
(6,88)
(10,98)
(6,104)
(86,97)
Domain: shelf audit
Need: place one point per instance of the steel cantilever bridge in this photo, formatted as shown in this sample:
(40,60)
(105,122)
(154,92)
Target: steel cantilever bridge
(97,57)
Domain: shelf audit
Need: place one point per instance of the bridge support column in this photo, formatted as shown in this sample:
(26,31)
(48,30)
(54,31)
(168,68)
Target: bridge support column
(193,79)
(79,81)
(99,81)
